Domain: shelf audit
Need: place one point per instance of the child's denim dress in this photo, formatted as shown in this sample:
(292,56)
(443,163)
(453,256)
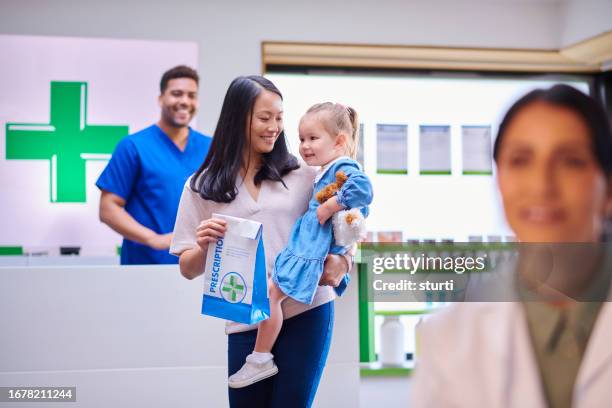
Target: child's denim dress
(298,267)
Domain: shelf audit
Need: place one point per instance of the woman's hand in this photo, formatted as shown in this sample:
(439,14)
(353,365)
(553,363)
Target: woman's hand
(209,231)
(192,261)
(334,269)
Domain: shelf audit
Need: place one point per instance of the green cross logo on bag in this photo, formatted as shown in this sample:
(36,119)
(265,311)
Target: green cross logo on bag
(233,287)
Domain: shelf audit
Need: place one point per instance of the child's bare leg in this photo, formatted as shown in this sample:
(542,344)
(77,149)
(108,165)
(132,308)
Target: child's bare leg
(269,329)
(260,363)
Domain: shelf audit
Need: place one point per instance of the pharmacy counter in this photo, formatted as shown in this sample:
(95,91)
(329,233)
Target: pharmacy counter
(134,337)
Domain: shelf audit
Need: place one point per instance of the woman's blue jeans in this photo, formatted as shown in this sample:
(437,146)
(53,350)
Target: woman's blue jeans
(300,354)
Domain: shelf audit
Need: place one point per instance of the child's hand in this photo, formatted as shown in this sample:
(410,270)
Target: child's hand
(327,209)
(324,213)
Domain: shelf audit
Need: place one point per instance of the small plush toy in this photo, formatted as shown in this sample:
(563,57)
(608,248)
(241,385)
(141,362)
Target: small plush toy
(349,225)
(331,189)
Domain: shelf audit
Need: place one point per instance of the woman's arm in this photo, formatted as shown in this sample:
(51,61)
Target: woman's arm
(192,261)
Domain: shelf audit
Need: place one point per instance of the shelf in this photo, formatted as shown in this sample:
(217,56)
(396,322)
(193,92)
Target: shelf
(403,312)
(378,370)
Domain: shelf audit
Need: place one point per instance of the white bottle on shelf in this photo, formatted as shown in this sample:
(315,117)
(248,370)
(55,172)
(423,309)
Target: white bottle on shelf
(392,342)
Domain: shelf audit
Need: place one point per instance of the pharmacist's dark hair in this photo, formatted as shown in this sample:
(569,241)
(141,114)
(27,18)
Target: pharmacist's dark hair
(565,96)
(180,71)
(216,178)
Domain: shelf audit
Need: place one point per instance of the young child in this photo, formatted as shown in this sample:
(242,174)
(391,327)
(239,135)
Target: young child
(328,138)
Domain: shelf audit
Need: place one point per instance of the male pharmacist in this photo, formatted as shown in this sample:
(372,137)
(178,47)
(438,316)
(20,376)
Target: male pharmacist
(142,183)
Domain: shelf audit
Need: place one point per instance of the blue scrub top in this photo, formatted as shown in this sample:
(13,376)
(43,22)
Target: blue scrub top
(148,171)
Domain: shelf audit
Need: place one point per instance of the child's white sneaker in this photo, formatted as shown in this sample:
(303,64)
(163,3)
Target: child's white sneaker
(255,369)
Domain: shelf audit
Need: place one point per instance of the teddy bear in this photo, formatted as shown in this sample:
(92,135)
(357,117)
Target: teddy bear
(349,225)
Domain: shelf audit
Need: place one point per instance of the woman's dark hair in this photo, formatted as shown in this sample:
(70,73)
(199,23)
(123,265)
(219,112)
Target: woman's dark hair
(216,178)
(583,105)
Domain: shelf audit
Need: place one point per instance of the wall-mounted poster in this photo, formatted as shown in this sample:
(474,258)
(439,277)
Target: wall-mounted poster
(476,142)
(392,149)
(435,150)
(65,104)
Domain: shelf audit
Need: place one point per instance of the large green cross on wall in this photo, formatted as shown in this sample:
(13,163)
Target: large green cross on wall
(67,141)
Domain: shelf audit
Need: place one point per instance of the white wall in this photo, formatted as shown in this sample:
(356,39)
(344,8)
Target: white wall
(582,19)
(423,212)
(229,33)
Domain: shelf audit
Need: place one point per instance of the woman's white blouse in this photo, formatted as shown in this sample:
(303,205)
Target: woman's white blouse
(277,208)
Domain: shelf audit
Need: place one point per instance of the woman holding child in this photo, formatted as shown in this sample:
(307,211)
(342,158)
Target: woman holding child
(249,173)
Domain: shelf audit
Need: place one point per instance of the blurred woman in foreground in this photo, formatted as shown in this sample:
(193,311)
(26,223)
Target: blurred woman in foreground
(554,168)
